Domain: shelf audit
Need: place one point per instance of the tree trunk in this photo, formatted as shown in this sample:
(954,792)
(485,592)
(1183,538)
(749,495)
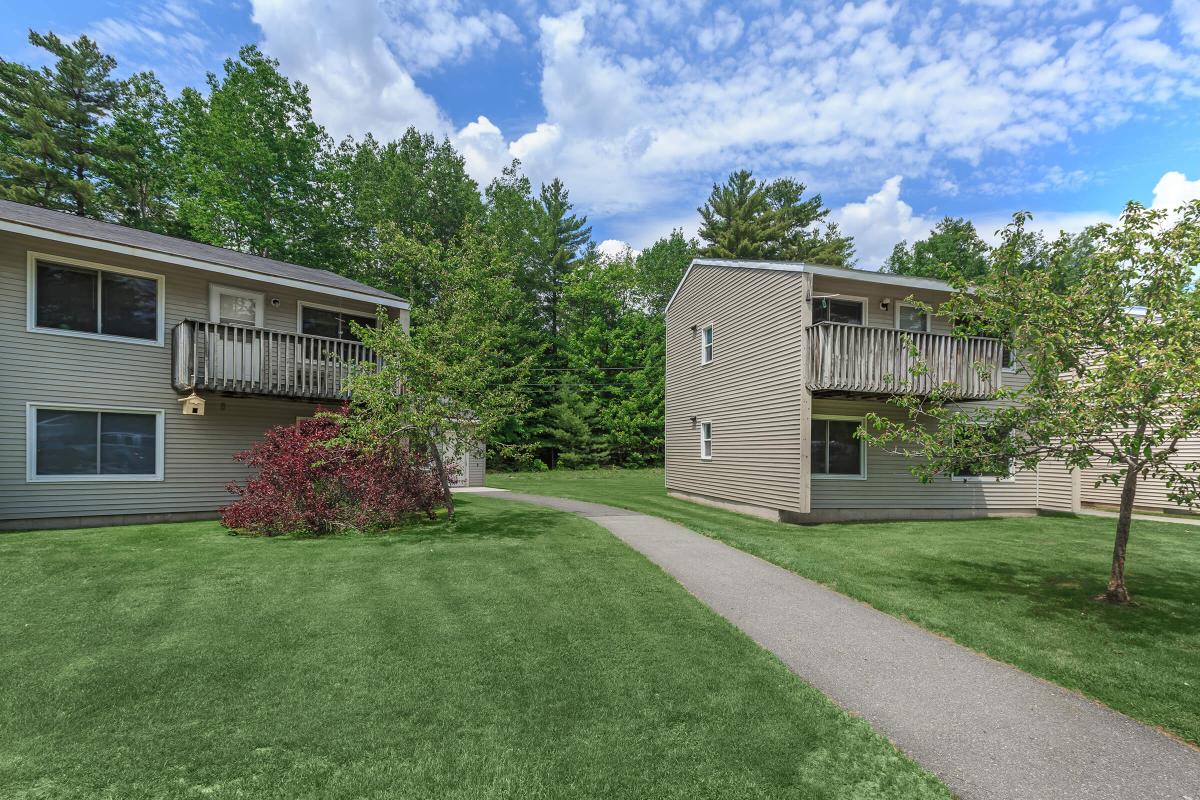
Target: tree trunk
(1116,593)
(441,468)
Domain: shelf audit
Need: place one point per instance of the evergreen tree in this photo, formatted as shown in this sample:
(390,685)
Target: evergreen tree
(135,165)
(748,219)
(570,433)
(250,164)
(953,248)
(51,119)
(560,238)
(32,165)
(738,221)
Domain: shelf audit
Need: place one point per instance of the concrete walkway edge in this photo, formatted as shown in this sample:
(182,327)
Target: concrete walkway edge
(988,730)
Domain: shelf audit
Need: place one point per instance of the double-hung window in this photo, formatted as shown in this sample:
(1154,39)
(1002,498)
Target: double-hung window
(706,441)
(836,452)
(332,323)
(706,345)
(81,443)
(77,298)
(844,310)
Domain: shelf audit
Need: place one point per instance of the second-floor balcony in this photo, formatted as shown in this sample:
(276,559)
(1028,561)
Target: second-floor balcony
(238,359)
(853,359)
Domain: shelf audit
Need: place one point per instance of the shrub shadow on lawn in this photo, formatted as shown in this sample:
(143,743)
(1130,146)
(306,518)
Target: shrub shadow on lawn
(497,524)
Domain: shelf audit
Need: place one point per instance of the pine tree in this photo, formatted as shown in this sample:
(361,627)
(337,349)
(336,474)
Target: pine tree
(560,237)
(738,219)
(32,165)
(748,219)
(51,119)
(570,431)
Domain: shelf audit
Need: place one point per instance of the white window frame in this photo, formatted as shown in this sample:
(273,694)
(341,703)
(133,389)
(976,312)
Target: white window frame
(32,259)
(303,304)
(862,301)
(215,290)
(31,475)
(862,452)
(928,317)
(708,349)
(706,441)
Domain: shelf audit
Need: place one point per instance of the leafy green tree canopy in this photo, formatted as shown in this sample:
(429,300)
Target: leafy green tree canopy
(247,156)
(953,248)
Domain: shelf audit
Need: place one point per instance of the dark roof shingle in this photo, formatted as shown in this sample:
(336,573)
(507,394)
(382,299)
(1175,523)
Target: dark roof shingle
(58,221)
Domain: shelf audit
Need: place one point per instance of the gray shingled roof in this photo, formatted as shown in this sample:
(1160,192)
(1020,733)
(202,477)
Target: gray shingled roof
(60,222)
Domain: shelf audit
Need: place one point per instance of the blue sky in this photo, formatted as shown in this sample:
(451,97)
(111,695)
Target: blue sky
(897,113)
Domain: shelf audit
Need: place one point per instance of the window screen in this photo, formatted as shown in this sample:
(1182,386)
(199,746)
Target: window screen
(96,301)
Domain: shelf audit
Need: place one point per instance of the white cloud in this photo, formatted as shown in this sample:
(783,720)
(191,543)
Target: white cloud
(722,32)
(355,81)
(1174,190)
(639,121)
(615,248)
(1187,16)
(879,222)
(1049,223)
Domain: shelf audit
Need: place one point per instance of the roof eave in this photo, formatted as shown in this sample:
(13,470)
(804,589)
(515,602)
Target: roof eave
(49,234)
(865,276)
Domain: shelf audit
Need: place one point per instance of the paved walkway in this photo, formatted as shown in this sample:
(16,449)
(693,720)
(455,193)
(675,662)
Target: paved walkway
(986,729)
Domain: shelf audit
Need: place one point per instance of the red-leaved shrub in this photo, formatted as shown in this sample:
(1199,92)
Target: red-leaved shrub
(306,486)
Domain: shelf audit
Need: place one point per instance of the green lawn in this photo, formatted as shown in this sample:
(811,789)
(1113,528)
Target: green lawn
(522,653)
(1017,589)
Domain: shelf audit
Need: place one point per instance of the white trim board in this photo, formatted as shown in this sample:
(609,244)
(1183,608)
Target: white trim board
(195,263)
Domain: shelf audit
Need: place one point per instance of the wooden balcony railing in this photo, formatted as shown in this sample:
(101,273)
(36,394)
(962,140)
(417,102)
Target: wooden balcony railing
(859,360)
(237,359)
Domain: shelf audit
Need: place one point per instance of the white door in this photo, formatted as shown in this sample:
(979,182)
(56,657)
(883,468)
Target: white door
(239,352)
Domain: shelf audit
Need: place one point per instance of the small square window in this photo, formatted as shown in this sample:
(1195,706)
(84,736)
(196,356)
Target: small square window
(910,318)
(706,440)
(706,345)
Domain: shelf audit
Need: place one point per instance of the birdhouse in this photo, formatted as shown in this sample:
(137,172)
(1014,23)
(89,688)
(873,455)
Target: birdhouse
(193,404)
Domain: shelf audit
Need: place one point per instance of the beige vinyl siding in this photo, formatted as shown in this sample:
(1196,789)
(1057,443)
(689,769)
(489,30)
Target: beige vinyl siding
(1057,486)
(41,367)
(753,392)
(890,484)
(1151,492)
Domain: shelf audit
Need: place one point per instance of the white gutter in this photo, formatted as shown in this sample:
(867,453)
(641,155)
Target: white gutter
(195,263)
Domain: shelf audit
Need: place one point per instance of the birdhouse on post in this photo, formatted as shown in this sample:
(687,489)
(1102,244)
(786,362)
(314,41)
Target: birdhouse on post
(193,404)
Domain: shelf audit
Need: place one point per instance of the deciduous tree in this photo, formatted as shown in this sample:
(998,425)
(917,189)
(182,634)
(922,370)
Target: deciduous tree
(1112,366)
(454,381)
